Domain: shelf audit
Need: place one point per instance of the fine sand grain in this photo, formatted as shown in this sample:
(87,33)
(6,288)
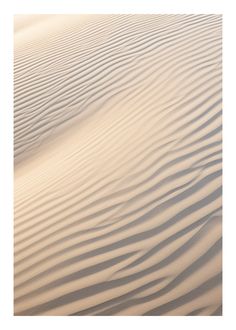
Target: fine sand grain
(117,144)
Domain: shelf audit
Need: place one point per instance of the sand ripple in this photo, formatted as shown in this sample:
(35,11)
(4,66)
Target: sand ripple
(118,165)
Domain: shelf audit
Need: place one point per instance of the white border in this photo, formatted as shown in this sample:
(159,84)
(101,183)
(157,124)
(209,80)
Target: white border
(118,7)
(7,10)
(6,163)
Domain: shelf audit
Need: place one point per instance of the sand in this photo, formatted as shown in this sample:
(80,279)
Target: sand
(117,145)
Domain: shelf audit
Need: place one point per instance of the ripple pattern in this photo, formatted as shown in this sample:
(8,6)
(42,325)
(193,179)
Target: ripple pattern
(117,144)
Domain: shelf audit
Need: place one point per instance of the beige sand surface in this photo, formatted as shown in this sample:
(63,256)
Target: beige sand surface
(117,124)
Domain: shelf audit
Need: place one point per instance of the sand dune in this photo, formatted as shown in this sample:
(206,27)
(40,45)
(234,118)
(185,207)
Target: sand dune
(117,165)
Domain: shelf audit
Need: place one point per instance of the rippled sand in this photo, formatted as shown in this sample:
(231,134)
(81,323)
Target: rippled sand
(118,165)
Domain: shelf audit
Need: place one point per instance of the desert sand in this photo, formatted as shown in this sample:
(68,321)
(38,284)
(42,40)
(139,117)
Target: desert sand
(117,147)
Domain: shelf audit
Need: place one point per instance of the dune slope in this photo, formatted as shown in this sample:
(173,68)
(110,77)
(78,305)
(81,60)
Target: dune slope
(117,144)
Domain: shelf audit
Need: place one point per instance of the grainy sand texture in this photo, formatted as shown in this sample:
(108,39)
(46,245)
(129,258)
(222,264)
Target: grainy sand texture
(117,147)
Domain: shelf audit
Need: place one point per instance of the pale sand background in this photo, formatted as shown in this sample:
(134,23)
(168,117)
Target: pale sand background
(118,165)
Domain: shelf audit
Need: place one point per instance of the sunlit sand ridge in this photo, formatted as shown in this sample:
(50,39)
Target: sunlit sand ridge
(117,144)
